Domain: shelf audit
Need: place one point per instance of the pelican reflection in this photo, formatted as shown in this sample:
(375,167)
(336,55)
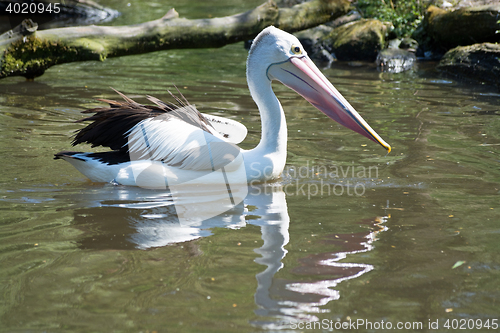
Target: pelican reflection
(150,219)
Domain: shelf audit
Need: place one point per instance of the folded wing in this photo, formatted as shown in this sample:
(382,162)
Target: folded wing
(176,135)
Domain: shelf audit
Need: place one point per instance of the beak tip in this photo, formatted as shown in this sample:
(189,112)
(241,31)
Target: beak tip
(388,147)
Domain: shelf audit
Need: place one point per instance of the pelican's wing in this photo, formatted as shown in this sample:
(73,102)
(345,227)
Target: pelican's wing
(109,124)
(177,135)
(176,141)
(231,130)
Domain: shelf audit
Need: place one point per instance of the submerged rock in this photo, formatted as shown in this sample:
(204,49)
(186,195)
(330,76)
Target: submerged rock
(395,60)
(480,62)
(442,30)
(359,40)
(398,57)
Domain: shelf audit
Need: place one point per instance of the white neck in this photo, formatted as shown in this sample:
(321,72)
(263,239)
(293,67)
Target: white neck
(267,160)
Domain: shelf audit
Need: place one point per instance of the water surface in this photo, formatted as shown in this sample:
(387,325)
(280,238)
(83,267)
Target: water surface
(349,233)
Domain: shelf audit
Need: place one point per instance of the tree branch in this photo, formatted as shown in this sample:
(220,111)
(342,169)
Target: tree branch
(29,54)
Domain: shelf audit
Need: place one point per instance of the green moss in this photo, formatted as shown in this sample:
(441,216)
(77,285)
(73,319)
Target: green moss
(31,56)
(359,40)
(480,62)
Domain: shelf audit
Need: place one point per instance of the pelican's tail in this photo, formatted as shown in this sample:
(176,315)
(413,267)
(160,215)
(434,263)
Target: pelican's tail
(98,167)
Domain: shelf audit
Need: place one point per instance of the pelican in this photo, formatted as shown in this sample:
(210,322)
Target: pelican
(173,143)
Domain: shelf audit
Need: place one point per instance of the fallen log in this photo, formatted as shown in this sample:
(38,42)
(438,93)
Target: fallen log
(29,54)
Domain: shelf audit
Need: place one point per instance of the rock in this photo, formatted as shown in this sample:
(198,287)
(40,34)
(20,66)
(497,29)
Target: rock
(395,60)
(442,30)
(398,57)
(480,62)
(405,43)
(456,4)
(313,35)
(359,40)
(409,44)
(310,38)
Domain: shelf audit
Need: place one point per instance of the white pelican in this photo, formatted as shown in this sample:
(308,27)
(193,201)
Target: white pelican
(173,144)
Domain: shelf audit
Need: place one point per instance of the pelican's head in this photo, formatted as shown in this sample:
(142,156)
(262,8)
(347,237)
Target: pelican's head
(282,57)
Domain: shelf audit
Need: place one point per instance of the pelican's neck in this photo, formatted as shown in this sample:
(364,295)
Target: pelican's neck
(271,150)
(274,132)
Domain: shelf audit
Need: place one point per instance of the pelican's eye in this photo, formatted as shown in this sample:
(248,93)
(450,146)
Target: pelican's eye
(296,49)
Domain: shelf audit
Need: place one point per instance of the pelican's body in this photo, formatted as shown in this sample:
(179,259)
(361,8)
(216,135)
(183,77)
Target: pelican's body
(156,146)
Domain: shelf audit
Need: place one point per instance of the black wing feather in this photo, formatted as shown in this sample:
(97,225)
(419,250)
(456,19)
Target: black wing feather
(110,125)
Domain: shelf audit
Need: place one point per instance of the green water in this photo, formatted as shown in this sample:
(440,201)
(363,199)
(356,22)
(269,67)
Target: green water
(323,244)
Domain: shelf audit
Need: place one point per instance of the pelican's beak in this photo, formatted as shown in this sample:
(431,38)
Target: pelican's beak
(301,75)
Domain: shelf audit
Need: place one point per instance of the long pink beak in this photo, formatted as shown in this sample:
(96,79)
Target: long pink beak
(301,75)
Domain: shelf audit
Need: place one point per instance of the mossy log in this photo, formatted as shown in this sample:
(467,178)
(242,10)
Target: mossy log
(29,54)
